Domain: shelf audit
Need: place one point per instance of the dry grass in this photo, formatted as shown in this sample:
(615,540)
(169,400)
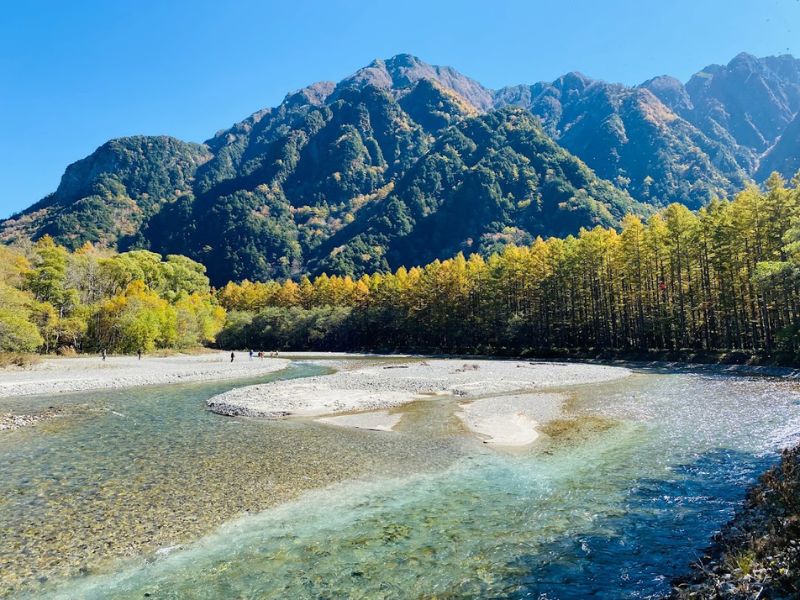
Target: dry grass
(20,360)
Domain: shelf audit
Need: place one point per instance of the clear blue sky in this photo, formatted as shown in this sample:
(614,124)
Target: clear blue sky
(74,74)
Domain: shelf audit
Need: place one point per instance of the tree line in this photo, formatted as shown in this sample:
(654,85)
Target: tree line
(723,278)
(53,300)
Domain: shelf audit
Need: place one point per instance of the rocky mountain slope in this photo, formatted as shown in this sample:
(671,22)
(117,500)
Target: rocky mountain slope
(403,162)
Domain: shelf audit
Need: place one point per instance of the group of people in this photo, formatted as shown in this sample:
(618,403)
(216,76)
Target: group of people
(272,354)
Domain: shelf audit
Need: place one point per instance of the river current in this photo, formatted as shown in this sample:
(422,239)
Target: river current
(143,493)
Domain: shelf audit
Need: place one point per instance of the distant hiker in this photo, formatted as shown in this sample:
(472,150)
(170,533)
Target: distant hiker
(103,353)
(260,355)
(139,353)
(232,356)
(251,354)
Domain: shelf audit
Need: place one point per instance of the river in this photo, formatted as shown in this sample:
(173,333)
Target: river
(144,493)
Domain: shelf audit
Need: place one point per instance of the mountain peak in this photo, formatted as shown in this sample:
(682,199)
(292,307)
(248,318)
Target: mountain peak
(404,70)
(743,58)
(750,100)
(576,76)
(671,92)
(314,94)
(404,60)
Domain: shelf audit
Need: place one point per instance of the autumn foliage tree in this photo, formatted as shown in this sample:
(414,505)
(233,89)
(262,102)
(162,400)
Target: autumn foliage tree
(87,300)
(726,277)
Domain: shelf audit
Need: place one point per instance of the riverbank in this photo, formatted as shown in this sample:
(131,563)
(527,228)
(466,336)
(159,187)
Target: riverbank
(745,359)
(501,416)
(730,358)
(62,375)
(729,362)
(757,555)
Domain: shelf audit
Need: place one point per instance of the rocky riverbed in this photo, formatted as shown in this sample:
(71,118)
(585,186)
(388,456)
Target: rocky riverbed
(85,373)
(10,421)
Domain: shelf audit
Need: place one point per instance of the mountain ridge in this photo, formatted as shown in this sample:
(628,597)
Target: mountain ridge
(269,195)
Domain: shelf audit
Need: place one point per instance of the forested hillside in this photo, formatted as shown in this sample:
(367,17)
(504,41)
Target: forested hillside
(52,300)
(109,196)
(486,182)
(724,278)
(628,136)
(362,175)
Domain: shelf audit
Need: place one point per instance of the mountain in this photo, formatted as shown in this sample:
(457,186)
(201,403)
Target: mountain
(403,162)
(752,99)
(488,180)
(745,105)
(404,70)
(784,155)
(334,186)
(108,196)
(664,141)
(629,136)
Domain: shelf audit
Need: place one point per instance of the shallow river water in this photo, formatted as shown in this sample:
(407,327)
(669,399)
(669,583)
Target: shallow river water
(143,493)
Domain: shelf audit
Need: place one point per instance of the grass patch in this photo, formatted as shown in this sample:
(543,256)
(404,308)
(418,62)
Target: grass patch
(579,428)
(23,360)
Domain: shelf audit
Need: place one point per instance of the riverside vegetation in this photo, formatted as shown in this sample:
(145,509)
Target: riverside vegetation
(90,300)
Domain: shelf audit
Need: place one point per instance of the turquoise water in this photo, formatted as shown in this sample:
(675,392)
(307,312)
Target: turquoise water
(609,511)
